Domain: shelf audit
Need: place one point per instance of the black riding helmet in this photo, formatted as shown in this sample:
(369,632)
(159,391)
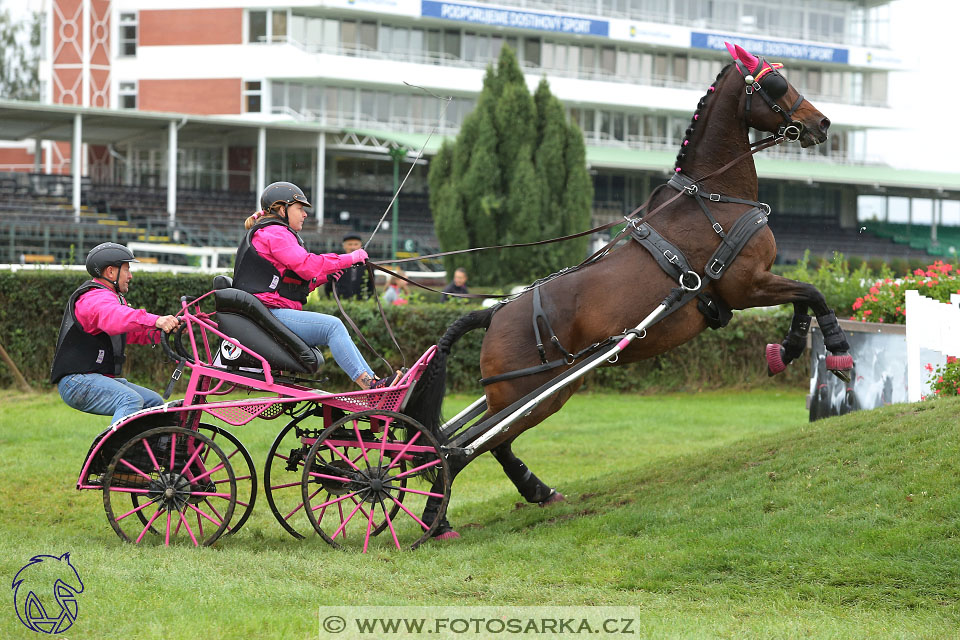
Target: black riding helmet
(285,192)
(105,255)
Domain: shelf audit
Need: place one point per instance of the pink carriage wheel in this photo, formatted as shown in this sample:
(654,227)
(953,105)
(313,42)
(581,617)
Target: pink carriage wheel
(182,497)
(283,472)
(380,482)
(246,478)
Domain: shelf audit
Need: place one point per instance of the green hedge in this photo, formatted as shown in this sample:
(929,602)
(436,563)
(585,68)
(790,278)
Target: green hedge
(31,306)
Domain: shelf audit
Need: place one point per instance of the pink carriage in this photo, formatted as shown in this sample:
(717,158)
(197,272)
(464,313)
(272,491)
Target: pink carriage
(350,466)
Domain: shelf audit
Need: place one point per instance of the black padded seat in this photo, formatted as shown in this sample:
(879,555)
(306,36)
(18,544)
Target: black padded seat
(240,315)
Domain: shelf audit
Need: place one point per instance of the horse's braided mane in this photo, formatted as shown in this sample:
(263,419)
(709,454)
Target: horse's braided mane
(688,134)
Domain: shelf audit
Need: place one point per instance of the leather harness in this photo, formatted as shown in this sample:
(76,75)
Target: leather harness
(674,263)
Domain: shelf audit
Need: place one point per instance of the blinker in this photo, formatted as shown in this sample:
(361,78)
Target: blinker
(775,85)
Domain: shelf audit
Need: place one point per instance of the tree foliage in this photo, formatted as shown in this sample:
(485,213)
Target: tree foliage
(19,57)
(516,173)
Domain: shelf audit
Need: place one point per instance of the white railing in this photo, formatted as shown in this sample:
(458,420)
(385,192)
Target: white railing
(931,325)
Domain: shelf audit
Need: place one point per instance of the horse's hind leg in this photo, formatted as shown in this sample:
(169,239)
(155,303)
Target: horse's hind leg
(530,486)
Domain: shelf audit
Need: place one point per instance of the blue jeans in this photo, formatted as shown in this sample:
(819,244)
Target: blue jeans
(318,330)
(102,395)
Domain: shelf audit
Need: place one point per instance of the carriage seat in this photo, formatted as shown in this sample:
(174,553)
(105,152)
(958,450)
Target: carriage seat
(242,316)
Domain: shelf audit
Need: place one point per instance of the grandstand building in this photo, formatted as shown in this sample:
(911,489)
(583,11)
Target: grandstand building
(332,94)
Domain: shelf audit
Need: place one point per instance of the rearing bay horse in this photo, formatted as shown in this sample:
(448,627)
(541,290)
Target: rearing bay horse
(710,203)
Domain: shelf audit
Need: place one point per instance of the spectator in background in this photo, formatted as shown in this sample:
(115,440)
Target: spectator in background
(356,281)
(397,290)
(459,284)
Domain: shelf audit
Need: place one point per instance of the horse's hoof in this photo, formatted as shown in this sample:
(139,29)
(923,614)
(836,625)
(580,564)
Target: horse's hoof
(775,363)
(447,535)
(841,366)
(556,496)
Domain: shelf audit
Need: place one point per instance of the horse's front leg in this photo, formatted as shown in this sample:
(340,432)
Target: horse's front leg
(766,289)
(780,355)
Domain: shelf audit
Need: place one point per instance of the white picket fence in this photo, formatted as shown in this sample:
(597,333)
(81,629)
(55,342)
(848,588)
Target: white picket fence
(931,325)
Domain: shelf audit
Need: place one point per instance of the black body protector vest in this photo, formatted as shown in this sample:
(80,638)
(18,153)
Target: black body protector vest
(255,274)
(80,352)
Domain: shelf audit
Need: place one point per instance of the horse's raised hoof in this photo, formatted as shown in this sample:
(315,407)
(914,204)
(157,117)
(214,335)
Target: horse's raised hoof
(841,366)
(556,496)
(775,362)
(449,534)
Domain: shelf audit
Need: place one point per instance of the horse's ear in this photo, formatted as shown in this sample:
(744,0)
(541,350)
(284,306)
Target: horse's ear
(747,58)
(750,61)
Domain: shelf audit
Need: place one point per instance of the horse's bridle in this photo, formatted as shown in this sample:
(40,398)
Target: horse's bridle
(791,129)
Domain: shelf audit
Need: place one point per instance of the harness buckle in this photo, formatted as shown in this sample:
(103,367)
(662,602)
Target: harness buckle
(717,269)
(765,208)
(756,86)
(671,256)
(718,228)
(691,189)
(749,89)
(776,108)
(715,197)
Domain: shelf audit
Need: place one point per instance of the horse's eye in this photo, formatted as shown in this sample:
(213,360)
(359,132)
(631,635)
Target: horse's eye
(775,85)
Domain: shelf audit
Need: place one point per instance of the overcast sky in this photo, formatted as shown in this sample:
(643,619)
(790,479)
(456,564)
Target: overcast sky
(924,34)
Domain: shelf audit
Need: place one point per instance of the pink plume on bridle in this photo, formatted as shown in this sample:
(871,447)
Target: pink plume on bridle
(739,53)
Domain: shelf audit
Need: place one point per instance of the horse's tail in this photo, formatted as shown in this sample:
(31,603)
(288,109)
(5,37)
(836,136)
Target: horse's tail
(427,396)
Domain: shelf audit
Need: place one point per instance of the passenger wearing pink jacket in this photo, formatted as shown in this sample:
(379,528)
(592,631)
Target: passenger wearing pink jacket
(96,327)
(273,265)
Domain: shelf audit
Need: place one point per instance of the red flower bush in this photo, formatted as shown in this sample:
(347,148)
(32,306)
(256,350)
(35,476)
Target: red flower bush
(945,378)
(884,300)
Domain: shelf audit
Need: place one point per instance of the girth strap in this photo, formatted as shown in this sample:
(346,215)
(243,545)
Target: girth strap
(539,314)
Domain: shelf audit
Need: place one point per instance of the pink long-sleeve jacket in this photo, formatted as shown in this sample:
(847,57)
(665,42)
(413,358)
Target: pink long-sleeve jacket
(279,246)
(98,310)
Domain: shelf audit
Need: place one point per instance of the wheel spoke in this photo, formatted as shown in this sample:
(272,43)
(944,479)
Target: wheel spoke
(143,506)
(196,452)
(398,456)
(183,521)
(204,515)
(335,500)
(349,517)
(153,458)
(149,523)
(416,469)
(135,469)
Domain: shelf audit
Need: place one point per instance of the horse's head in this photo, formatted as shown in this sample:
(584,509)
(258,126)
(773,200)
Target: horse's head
(781,109)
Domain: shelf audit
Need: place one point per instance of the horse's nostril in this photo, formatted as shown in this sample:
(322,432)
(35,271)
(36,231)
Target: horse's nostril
(825,124)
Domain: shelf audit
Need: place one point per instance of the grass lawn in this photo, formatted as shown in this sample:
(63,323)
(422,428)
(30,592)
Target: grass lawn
(709,515)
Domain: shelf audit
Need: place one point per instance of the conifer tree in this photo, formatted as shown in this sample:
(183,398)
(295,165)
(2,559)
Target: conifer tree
(516,173)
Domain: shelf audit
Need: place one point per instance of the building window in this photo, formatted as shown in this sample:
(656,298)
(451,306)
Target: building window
(128,34)
(269,26)
(279,24)
(257,26)
(252,93)
(128,95)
